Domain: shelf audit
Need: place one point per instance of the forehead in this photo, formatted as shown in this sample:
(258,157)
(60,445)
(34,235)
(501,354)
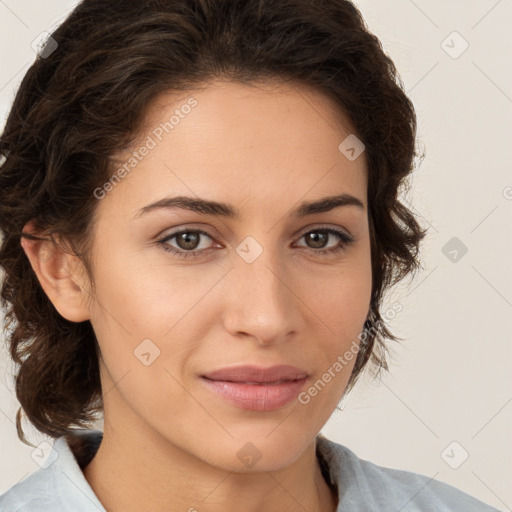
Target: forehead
(258,145)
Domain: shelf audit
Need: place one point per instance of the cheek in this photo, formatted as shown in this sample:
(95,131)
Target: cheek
(138,316)
(146,295)
(340,297)
(152,313)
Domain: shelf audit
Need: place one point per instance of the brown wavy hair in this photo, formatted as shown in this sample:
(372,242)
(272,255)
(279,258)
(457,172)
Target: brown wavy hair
(84,100)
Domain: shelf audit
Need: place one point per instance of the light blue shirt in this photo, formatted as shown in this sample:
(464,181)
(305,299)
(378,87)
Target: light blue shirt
(60,486)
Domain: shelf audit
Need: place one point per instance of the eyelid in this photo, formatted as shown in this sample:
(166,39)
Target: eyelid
(209,230)
(320,226)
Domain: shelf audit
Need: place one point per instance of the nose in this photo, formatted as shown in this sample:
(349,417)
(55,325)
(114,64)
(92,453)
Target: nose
(261,302)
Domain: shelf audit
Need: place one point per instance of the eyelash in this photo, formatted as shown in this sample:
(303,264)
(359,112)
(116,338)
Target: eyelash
(346,241)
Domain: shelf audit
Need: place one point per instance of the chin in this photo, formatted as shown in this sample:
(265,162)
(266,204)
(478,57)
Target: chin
(263,450)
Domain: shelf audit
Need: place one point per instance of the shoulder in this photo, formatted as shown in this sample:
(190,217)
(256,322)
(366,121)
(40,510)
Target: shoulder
(368,486)
(34,492)
(59,484)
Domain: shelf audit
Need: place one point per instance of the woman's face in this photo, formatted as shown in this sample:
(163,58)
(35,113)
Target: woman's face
(267,285)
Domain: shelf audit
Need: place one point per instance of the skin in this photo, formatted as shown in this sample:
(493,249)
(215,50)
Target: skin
(169,442)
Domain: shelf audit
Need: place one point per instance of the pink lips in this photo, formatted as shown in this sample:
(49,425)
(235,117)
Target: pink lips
(257,389)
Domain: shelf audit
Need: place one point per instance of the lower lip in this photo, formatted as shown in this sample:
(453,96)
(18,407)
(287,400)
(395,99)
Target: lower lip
(256,397)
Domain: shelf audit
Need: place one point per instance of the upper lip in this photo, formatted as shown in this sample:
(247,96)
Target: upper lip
(248,373)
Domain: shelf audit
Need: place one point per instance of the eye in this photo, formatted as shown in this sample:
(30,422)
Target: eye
(318,238)
(188,241)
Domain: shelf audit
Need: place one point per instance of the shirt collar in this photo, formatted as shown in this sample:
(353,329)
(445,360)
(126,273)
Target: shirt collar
(70,482)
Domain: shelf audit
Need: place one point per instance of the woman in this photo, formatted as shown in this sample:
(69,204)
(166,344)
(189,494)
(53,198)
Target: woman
(200,218)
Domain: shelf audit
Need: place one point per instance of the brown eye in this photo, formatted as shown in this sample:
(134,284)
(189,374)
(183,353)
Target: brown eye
(187,242)
(317,240)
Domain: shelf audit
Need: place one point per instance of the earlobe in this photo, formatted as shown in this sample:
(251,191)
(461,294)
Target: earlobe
(57,273)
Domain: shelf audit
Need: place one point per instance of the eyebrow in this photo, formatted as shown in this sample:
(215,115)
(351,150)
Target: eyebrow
(225,210)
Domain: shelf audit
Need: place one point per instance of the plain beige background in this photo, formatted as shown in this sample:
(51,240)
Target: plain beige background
(448,395)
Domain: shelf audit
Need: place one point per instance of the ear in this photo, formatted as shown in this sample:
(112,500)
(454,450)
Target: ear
(59,274)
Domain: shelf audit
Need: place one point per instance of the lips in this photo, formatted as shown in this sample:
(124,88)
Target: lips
(255,375)
(256,389)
